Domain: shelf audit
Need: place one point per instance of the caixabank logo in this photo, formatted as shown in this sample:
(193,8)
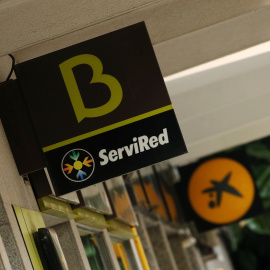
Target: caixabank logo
(221,190)
(98,95)
(78,165)
(218,191)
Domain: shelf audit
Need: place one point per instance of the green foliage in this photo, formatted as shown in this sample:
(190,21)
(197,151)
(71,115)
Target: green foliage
(259,156)
(236,235)
(247,260)
(250,247)
(260,224)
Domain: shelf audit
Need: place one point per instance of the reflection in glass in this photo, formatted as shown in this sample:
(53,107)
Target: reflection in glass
(167,177)
(153,191)
(121,201)
(92,252)
(121,256)
(135,190)
(96,198)
(70,197)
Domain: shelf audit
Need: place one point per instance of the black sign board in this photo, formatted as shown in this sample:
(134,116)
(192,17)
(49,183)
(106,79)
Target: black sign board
(218,191)
(100,109)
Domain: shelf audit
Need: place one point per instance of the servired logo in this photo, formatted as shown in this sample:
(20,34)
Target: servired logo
(221,190)
(78,165)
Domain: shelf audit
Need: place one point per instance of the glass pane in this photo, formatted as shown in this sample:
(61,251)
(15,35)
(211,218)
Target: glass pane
(121,201)
(153,191)
(166,177)
(135,190)
(121,256)
(71,197)
(92,252)
(96,198)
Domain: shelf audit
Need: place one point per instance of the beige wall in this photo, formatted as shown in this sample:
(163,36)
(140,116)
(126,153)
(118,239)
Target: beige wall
(185,33)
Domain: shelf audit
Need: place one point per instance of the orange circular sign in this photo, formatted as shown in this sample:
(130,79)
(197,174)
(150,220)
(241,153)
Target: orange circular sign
(221,190)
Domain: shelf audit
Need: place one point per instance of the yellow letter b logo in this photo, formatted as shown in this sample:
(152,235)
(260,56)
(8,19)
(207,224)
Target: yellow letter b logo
(74,93)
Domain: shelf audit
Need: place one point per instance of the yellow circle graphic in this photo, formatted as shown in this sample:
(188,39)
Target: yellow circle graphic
(221,190)
(77,165)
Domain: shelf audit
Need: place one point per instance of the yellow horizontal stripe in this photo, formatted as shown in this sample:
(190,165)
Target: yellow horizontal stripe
(107,128)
